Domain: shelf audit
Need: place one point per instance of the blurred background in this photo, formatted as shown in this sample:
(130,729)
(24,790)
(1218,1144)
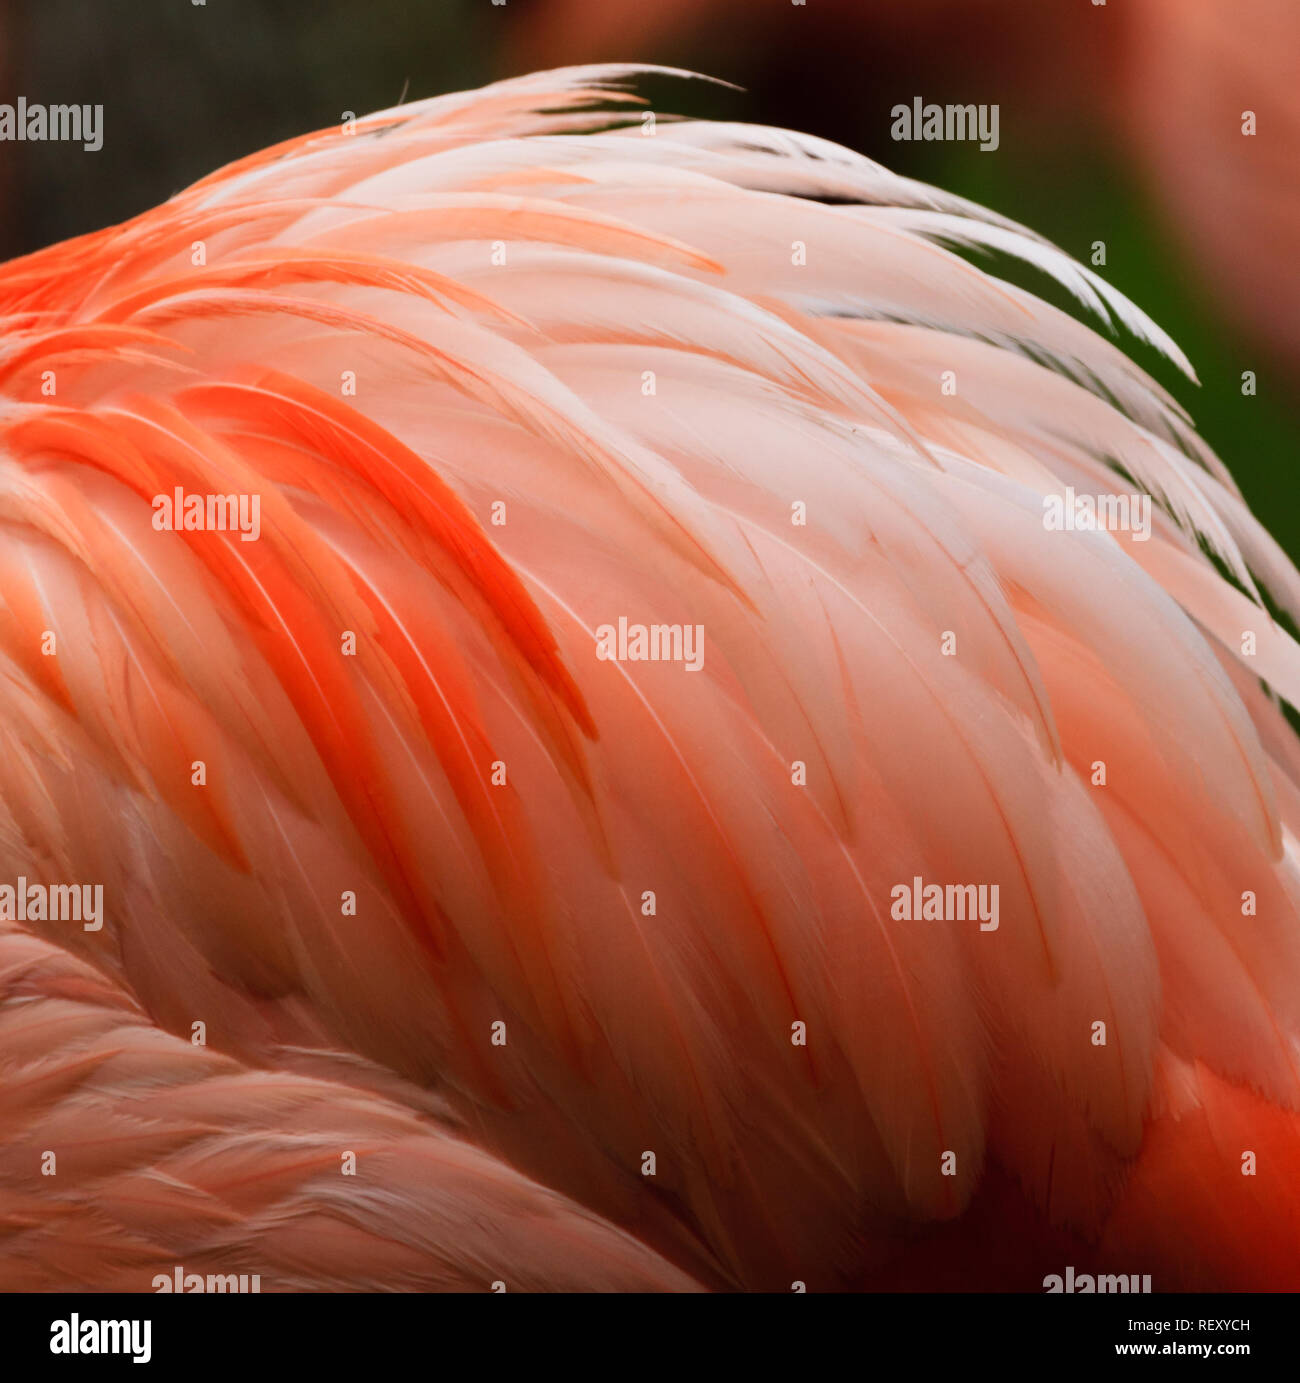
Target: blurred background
(1119,121)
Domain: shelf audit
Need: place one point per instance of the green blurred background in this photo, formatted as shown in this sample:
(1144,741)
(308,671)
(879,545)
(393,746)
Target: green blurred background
(1120,122)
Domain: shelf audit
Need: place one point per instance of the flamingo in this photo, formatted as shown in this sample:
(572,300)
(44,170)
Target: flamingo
(512,600)
(1167,84)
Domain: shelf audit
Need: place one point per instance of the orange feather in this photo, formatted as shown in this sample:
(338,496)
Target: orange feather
(602,966)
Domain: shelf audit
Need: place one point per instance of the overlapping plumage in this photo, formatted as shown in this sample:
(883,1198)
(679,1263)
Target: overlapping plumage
(506,367)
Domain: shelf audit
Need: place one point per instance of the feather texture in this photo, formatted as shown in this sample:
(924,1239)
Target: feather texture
(500,372)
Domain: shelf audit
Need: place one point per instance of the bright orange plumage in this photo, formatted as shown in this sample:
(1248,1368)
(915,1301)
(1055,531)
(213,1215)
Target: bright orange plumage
(603,965)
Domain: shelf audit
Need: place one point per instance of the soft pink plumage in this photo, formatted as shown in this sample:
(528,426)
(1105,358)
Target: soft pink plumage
(648,351)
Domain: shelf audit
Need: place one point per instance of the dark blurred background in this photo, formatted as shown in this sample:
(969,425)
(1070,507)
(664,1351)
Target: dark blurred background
(1120,122)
